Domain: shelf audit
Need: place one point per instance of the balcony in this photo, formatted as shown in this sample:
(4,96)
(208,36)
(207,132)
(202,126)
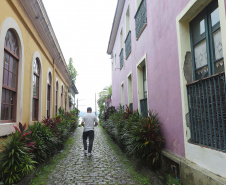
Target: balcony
(128,44)
(144,107)
(121,58)
(141,18)
(207,112)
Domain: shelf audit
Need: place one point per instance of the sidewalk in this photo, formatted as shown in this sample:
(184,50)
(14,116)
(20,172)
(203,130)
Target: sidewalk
(104,167)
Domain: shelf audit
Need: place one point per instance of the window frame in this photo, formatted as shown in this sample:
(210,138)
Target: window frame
(36,98)
(6,87)
(209,31)
(62,95)
(48,99)
(56,100)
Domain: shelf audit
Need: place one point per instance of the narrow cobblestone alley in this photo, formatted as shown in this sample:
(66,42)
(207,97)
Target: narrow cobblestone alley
(104,167)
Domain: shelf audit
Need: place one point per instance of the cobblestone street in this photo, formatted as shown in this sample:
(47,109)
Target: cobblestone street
(104,167)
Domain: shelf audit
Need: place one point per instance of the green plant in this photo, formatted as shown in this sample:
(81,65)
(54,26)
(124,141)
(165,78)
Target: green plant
(16,159)
(45,141)
(172,181)
(139,137)
(61,111)
(22,149)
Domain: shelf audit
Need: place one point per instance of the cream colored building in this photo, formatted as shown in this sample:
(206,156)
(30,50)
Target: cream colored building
(34,77)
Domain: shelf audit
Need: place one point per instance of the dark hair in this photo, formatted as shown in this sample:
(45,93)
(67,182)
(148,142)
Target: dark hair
(89,109)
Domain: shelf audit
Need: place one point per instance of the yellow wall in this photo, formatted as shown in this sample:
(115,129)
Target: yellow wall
(32,42)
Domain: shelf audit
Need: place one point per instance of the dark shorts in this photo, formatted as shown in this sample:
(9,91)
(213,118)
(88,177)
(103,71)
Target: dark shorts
(89,134)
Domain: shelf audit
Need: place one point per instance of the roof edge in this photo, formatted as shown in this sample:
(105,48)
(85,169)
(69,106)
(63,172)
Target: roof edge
(115,25)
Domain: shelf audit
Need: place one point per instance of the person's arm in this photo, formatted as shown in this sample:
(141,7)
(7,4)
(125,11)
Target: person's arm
(96,122)
(82,121)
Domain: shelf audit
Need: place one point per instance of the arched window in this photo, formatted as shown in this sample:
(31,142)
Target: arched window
(62,95)
(56,107)
(10,76)
(49,79)
(36,77)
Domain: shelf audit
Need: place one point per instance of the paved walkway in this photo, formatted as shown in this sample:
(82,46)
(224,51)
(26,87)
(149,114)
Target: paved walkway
(104,167)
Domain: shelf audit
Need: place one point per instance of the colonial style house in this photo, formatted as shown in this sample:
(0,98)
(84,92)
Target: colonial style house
(34,77)
(168,56)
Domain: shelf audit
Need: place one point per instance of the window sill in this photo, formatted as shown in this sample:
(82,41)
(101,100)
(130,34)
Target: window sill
(206,147)
(7,128)
(145,25)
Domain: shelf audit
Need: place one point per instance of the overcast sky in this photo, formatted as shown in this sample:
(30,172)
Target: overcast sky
(83,30)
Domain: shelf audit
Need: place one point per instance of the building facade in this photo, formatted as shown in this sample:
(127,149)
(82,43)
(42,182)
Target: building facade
(34,77)
(168,56)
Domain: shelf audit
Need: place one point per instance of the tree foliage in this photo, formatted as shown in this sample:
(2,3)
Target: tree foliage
(103,96)
(72,71)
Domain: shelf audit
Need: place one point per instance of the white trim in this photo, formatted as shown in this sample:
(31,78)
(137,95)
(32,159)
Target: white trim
(36,55)
(138,66)
(62,100)
(205,157)
(121,39)
(51,93)
(55,95)
(10,23)
(115,26)
(128,8)
(130,90)
(122,94)
(138,4)
(130,73)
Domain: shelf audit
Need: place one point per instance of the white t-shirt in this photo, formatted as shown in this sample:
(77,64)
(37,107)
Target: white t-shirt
(89,119)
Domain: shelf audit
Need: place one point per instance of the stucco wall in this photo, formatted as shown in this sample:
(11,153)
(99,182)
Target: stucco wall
(159,42)
(31,43)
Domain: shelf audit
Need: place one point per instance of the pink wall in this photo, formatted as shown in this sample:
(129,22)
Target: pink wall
(159,42)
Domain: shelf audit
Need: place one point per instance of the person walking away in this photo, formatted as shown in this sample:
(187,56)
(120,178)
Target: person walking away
(88,122)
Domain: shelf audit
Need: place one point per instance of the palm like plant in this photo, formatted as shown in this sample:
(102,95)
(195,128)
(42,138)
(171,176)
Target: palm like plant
(103,95)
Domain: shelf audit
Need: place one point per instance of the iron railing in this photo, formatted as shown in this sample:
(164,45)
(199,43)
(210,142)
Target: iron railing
(144,107)
(128,44)
(121,58)
(140,17)
(207,112)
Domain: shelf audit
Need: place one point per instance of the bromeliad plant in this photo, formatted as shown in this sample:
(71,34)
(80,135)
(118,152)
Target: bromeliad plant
(23,149)
(145,140)
(45,141)
(16,159)
(139,137)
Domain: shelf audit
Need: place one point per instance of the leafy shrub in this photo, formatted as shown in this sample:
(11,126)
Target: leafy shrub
(139,137)
(61,110)
(172,181)
(145,141)
(25,148)
(16,159)
(108,112)
(45,141)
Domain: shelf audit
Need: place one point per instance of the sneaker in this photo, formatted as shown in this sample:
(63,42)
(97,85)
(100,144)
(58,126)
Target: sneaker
(85,152)
(89,154)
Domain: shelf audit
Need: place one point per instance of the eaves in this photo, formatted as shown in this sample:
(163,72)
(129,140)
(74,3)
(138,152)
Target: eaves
(115,25)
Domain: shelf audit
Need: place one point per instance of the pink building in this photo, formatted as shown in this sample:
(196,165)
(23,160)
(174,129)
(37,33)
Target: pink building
(167,56)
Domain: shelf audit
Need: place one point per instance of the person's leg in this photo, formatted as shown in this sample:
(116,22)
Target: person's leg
(91,138)
(84,137)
